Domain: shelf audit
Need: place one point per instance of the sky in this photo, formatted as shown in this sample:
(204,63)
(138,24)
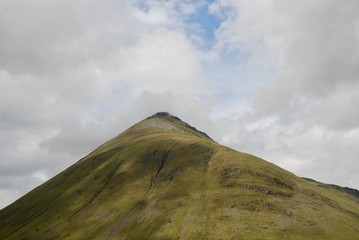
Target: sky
(274,78)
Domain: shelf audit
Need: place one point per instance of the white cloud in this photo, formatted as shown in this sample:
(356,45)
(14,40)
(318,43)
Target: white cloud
(161,60)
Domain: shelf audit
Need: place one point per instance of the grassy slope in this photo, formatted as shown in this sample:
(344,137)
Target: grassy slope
(163,180)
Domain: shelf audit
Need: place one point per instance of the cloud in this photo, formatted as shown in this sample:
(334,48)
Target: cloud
(46,36)
(162,60)
(313,44)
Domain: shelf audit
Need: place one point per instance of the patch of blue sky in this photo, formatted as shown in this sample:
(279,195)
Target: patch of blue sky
(141,4)
(204,24)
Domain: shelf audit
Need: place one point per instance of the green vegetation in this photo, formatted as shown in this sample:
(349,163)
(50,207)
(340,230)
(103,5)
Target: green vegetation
(162,179)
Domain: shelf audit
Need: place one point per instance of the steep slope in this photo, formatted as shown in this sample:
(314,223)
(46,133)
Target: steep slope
(163,179)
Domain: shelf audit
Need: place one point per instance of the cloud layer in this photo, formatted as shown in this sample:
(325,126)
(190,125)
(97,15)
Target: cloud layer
(274,78)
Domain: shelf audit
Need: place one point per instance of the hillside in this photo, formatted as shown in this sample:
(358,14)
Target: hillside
(163,179)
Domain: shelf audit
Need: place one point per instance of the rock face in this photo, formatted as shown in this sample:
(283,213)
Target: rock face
(163,179)
(163,114)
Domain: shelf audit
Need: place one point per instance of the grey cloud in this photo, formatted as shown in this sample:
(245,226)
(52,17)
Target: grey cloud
(47,36)
(318,51)
(316,48)
(315,43)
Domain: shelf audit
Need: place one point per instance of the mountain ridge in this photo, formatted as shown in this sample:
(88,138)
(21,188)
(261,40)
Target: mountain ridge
(161,179)
(352,191)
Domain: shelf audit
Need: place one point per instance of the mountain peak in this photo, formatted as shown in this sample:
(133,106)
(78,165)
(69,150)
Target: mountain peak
(173,122)
(163,115)
(163,123)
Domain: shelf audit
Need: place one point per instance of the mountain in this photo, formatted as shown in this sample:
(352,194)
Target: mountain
(163,179)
